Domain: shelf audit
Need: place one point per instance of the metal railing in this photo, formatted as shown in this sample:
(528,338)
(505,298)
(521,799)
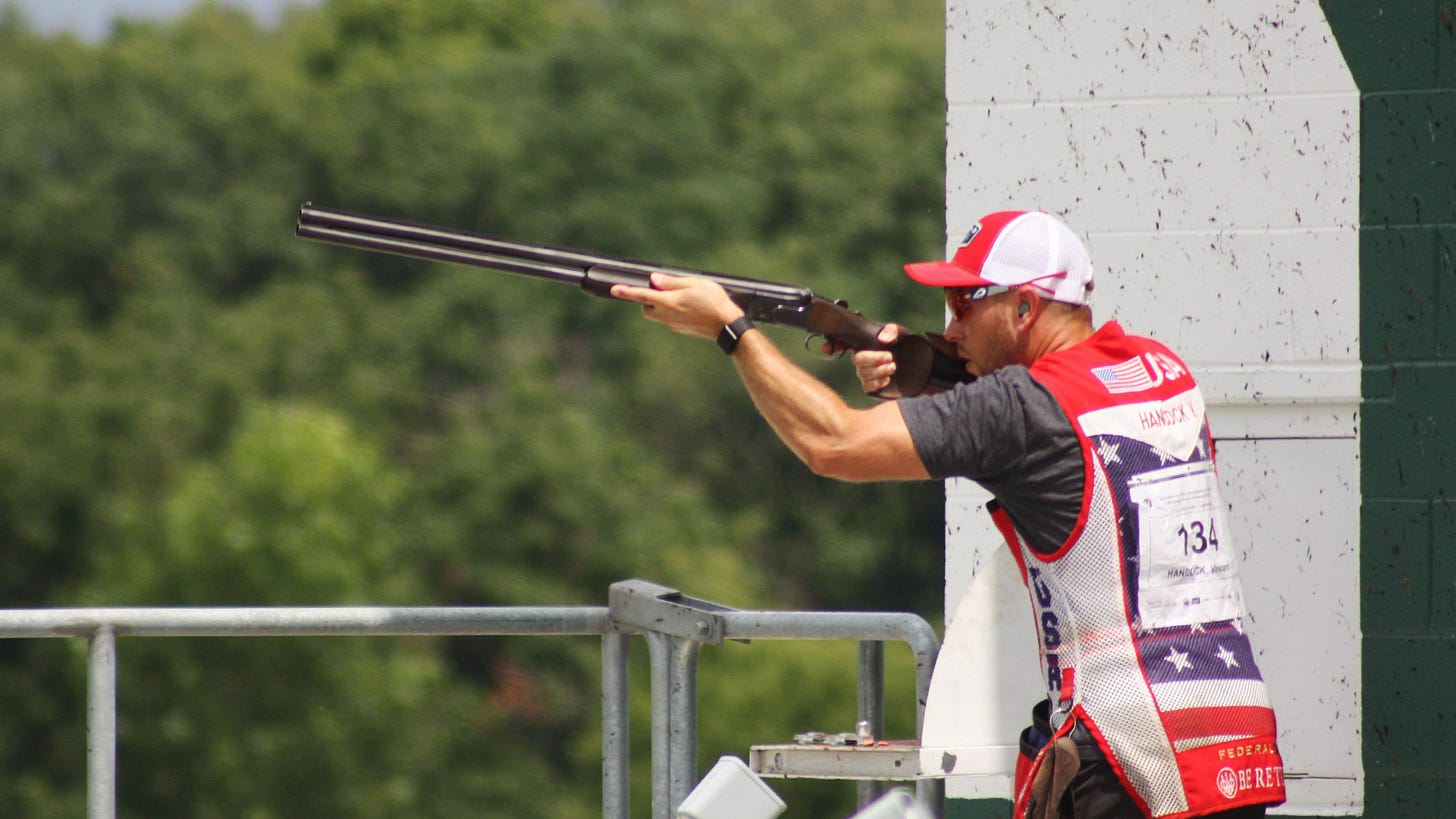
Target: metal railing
(675,626)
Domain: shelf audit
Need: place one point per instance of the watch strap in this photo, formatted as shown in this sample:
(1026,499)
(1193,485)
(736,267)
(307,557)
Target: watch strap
(728,338)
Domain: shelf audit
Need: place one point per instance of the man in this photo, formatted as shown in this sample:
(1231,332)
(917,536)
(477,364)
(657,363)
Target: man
(1096,448)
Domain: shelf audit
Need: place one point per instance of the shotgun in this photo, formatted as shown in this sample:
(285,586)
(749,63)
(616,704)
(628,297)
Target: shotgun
(920,364)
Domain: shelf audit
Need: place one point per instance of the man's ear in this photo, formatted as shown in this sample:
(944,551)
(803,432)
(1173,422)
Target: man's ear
(1028,303)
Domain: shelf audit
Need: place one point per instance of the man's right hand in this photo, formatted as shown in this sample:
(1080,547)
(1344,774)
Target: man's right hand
(875,368)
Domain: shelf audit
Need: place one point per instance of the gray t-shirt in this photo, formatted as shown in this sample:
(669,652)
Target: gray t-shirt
(1007,433)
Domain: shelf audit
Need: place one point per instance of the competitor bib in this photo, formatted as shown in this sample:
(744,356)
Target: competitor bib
(1188,573)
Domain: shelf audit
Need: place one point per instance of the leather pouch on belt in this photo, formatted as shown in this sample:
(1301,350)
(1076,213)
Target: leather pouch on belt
(1053,778)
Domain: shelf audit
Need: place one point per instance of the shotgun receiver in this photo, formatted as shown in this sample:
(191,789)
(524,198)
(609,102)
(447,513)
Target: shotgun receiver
(919,363)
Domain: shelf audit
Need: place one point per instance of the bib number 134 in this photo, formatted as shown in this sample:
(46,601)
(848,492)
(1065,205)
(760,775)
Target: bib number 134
(1187,573)
(1199,536)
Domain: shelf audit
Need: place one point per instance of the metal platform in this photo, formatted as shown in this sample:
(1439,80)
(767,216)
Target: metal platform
(884,760)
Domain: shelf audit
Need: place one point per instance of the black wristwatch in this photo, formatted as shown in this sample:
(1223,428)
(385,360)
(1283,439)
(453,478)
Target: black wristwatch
(728,339)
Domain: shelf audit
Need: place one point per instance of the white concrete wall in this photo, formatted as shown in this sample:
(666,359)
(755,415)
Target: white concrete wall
(1207,150)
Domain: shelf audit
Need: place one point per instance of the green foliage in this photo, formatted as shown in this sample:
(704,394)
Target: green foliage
(202,410)
(295,511)
(298,509)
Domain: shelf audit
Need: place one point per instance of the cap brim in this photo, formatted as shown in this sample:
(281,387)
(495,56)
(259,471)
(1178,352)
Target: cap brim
(944,274)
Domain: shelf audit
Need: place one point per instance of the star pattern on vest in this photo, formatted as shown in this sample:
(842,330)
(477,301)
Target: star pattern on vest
(1107,450)
(1179,659)
(1229,660)
(1125,456)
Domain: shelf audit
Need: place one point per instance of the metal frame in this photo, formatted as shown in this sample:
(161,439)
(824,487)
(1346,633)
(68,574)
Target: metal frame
(674,625)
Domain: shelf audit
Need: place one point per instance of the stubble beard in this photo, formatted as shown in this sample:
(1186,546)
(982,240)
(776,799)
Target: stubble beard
(996,348)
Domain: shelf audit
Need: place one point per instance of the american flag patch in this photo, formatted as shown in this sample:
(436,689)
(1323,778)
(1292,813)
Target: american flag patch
(1129,376)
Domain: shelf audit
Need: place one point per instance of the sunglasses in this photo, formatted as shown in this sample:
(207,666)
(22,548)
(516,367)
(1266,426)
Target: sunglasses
(960,299)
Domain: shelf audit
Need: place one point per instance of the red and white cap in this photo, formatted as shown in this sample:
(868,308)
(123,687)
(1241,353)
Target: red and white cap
(1013,247)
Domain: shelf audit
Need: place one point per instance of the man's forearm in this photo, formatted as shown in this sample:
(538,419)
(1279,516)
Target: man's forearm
(830,437)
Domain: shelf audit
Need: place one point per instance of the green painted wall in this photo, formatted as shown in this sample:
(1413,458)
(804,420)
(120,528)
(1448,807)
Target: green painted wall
(1403,56)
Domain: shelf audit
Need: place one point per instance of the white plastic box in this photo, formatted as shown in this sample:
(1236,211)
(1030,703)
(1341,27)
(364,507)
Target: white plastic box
(731,791)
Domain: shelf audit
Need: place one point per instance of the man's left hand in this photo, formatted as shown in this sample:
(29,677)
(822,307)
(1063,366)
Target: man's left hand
(686,304)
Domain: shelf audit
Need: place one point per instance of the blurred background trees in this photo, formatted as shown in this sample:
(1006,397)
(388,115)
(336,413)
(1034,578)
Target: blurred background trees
(201,409)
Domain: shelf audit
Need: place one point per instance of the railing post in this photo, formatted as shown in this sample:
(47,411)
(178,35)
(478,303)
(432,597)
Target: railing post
(659,650)
(683,734)
(871,707)
(101,724)
(676,626)
(616,745)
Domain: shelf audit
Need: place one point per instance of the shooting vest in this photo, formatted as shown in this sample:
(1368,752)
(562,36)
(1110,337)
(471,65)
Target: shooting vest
(1140,612)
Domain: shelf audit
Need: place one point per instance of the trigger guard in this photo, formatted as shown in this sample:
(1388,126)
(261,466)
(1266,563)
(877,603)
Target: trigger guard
(819,352)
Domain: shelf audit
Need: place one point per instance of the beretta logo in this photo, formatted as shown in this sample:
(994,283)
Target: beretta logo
(1228,783)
